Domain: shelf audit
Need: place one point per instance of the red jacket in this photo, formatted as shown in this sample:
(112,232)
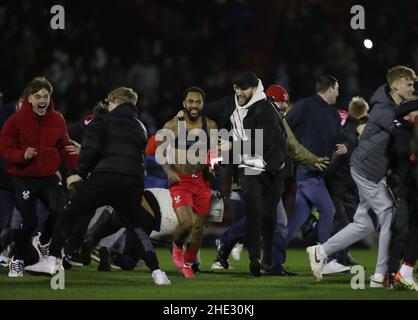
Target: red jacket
(47,134)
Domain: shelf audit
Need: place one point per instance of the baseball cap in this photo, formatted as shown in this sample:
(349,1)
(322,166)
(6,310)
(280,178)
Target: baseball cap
(246,80)
(278,93)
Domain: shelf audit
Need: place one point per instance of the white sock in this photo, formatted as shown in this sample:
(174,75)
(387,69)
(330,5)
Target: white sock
(156,271)
(406,271)
(51,259)
(322,252)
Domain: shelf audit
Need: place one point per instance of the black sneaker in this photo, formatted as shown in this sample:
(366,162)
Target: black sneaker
(104,264)
(220,264)
(255,267)
(222,254)
(195,268)
(280,272)
(65,264)
(78,260)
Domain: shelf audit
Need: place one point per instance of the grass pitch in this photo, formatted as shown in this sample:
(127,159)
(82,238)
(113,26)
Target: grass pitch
(86,283)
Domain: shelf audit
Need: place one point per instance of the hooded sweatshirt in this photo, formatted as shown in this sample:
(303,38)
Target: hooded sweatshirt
(371,158)
(237,121)
(47,134)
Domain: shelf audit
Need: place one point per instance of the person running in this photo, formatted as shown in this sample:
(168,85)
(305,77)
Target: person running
(112,167)
(188,185)
(32,143)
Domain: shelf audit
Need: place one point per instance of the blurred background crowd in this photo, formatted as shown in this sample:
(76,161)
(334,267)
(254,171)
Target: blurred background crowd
(161,47)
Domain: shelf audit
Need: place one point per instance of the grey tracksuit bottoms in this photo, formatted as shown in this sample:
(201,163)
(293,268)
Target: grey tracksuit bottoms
(377,197)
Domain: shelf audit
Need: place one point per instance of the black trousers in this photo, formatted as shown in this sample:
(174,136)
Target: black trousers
(400,228)
(27,191)
(261,193)
(121,192)
(411,254)
(135,243)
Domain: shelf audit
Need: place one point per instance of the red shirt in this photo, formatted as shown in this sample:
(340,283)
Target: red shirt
(47,134)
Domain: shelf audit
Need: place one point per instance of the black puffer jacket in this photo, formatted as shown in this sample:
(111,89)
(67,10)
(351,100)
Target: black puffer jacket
(114,142)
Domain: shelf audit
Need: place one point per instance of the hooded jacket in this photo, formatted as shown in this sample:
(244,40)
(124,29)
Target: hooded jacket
(260,114)
(371,158)
(47,134)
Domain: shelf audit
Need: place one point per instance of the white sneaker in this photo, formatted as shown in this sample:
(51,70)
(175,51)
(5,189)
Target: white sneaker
(45,266)
(316,261)
(4,260)
(160,278)
(236,251)
(409,283)
(43,250)
(377,281)
(15,268)
(216,265)
(334,267)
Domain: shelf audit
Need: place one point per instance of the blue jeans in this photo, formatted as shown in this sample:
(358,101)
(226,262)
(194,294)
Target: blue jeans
(312,192)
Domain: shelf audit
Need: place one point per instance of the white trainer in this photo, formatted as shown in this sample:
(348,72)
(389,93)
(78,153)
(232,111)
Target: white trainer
(216,265)
(43,250)
(15,268)
(316,261)
(46,266)
(160,278)
(377,281)
(4,260)
(334,267)
(409,283)
(236,251)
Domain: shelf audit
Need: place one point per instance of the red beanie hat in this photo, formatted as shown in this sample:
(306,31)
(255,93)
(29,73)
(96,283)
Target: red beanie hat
(278,93)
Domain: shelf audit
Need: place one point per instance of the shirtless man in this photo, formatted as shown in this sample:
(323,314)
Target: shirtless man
(189,189)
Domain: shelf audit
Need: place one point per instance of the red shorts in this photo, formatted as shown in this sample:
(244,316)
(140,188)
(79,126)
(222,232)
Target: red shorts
(193,191)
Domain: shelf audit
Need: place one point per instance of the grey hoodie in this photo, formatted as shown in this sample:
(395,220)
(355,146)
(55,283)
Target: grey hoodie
(371,158)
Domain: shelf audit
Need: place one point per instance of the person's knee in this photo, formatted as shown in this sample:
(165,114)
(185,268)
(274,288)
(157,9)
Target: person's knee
(186,225)
(197,230)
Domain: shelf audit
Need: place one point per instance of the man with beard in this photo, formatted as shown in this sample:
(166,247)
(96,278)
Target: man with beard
(190,191)
(260,175)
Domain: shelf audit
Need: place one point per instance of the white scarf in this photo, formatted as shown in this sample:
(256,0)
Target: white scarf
(237,121)
(240,112)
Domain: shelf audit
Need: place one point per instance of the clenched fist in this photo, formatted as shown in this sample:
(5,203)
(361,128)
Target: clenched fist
(30,153)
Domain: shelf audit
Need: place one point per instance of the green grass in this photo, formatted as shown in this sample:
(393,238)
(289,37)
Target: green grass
(87,283)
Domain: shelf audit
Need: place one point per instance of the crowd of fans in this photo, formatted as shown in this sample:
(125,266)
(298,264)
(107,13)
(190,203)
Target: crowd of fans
(160,47)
